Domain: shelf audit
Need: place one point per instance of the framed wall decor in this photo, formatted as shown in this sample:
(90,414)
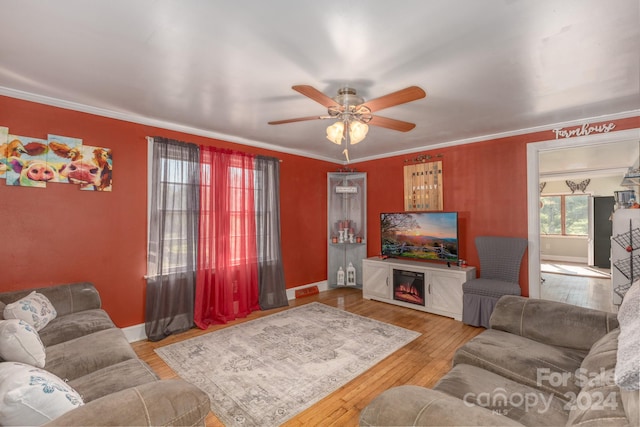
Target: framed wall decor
(423,187)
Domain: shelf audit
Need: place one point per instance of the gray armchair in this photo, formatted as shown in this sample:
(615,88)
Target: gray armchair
(500,259)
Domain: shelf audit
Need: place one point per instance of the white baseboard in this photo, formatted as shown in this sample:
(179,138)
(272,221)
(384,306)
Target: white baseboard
(137,332)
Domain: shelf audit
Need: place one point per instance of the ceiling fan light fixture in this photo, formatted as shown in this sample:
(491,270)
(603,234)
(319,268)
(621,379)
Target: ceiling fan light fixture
(357,131)
(335,132)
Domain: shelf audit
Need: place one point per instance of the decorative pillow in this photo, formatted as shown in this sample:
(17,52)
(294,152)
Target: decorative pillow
(20,342)
(35,309)
(628,356)
(32,396)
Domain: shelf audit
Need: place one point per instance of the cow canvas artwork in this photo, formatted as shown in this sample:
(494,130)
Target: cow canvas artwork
(61,162)
(26,162)
(4,133)
(88,166)
(33,162)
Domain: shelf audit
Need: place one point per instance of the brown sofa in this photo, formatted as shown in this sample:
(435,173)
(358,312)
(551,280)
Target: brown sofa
(85,349)
(540,363)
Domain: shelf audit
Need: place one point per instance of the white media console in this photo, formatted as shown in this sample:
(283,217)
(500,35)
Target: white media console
(431,287)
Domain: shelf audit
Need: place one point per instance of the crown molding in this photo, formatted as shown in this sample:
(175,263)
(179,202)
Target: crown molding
(133,118)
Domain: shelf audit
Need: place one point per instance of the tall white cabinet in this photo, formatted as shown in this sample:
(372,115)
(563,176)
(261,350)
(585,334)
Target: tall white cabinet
(430,287)
(346,227)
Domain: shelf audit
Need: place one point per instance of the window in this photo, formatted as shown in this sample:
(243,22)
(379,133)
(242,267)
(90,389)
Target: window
(240,181)
(173,212)
(564,215)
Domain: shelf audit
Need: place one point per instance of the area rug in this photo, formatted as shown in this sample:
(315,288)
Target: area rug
(573,270)
(265,371)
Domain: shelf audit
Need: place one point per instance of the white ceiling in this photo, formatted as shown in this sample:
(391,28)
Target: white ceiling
(611,159)
(225,68)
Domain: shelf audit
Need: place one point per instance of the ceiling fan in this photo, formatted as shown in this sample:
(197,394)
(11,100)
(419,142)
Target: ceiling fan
(353,114)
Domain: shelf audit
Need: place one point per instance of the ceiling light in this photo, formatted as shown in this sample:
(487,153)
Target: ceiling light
(357,131)
(335,132)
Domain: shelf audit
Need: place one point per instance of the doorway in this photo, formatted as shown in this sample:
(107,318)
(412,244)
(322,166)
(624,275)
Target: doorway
(533,191)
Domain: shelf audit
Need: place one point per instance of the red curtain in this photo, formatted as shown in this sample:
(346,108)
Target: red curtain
(227,267)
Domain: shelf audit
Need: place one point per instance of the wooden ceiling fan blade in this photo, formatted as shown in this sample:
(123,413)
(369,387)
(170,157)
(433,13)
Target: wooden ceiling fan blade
(403,96)
(298,119)
(393,124)
(315,94)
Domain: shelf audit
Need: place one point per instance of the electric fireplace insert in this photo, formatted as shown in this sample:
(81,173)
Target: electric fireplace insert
(408,286)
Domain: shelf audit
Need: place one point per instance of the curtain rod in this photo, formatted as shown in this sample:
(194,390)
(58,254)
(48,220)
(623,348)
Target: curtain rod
(150,139)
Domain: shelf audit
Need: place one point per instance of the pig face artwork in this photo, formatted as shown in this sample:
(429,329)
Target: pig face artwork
(25,162)
(88,166)
(32,162)
(32,173)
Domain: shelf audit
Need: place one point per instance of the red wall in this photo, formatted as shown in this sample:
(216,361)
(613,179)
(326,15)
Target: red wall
(485,182)
(60,234)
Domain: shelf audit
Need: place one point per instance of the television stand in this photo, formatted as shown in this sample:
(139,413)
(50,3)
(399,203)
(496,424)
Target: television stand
(426,286)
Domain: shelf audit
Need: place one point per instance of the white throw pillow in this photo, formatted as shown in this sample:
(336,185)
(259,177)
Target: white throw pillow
(35,309)
(32,396)
(20,342)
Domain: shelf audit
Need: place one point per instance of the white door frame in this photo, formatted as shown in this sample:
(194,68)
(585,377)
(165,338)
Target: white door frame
(533,190)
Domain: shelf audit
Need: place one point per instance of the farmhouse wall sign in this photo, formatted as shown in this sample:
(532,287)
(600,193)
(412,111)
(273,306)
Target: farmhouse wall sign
(583,130)
(423,187)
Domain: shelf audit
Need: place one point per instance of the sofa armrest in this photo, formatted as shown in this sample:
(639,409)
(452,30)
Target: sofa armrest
(550,322)
(411,405)
(172,402)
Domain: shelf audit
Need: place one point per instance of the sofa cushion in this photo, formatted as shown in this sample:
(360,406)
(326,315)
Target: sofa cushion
(548,368)
(599,403)
(411,405)
(601,356)
(170,402)
(628,357)
(548,322)
(129,373)
(631,402)
(74,325)
(83,355)
(32,396)
(524,404)
(66,298)
(490,287)
(19,342)
(35,309)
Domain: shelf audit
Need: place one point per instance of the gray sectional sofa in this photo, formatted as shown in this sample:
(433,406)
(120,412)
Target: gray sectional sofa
(541,363)
(92,356)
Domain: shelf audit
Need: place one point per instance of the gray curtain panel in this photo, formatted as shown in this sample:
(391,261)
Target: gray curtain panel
(173,233)
(271,288)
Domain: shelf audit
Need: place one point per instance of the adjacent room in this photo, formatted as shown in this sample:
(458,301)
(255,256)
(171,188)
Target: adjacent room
(364,213)
(576,257)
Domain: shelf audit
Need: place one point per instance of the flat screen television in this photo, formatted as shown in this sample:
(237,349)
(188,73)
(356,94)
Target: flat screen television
(423,236)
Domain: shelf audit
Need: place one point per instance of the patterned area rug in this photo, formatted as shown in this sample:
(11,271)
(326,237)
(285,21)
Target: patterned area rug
(265,371)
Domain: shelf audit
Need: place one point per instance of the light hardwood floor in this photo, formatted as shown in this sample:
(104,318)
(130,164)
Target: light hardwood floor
(582,291)
(422,362)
